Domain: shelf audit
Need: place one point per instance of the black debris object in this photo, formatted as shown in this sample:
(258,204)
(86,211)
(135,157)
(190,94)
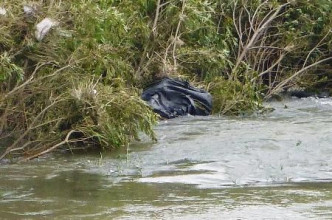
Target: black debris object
(173,97)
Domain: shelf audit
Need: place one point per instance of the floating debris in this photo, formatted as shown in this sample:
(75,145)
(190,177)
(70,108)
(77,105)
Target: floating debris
(3,11)
(29,10)
(64,33)
(44,27)
(173,97)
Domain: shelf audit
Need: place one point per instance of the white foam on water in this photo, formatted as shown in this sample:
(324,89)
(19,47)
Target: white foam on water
(214,176)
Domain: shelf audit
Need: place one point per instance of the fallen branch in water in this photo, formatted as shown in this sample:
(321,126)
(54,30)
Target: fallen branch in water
(65,141)
(28,130)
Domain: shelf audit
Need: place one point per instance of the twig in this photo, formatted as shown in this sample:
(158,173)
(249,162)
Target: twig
(256,34)
(176,36)
(281,57)
(315,47)
(154,27)
(65,141)
(284,82)
(28,80)
(8,150)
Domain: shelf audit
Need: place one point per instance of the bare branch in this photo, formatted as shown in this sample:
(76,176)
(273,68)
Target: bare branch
(65,141)
(154,27)
(284,82)
(257,34)
(315,47)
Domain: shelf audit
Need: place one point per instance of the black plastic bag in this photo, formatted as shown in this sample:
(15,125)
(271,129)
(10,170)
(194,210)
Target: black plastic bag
(172,97)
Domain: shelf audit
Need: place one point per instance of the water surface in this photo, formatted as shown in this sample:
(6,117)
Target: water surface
(273,166)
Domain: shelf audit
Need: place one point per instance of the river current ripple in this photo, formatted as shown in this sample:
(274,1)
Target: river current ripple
(291,144)
(272,166)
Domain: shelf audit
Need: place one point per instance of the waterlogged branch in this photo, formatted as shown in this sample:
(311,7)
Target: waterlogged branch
(65,141)
(32,125)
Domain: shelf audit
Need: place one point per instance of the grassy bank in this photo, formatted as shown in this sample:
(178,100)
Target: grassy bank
(80,84)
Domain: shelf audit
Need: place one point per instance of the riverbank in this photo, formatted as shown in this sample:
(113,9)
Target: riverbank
(77,83)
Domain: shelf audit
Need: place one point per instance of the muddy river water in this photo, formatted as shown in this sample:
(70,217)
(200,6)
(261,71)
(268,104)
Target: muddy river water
(272,166)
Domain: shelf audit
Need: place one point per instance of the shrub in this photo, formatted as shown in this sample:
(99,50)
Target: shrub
(74,86)
(81,83)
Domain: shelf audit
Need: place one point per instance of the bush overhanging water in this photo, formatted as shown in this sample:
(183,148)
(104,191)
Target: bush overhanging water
(79,85)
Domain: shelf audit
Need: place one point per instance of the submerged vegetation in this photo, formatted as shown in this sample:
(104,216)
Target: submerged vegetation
(80,84)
